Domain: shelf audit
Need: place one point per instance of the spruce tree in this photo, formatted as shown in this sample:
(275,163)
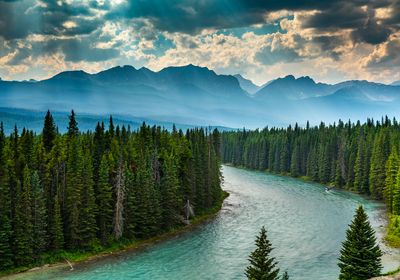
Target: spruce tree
(392,168)
(396,196)
(378,160)
(56,230)
(6,254)
(88,209)
(104,202)
(23,228)
(262,265)
(49,132)
(360,255)
(39,216)
(170,201)
(73,193)
(72,125)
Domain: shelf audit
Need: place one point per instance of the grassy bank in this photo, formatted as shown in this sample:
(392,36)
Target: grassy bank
(393,231)
(58,259)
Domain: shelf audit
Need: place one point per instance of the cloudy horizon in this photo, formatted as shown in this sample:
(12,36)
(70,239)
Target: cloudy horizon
(328,41)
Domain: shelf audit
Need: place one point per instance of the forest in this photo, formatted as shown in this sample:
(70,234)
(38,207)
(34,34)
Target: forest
(363,158)
(81,191)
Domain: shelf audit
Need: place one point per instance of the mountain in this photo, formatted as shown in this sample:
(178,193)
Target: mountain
(198,96)
(187,94)
(246,84)
(293,89)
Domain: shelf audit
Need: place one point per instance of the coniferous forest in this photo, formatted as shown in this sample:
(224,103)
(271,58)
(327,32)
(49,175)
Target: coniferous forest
(87,190)
(363,158)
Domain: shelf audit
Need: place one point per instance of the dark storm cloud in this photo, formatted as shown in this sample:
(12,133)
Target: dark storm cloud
(328,45)
(193,16)
(21,18)
(18,19)
(75,26)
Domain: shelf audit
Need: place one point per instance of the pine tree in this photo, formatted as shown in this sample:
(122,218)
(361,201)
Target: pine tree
(392,168)
(396,196)
(73,125)
(56,230)
(88,209)
(6,254)
(73,193)
(39,216)
(262,265)
(23,221)
(360,255)
(170,201)
(104,202)
(378,161)
(49,132)
(130,205)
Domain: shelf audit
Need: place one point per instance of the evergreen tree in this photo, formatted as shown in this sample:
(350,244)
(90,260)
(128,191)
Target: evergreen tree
(49,132)
(378,163)
(104,202)
(396,196)
(72,125)
(170,202)
(392,168)
(23,221)
(39,216)
(6,254)
(360,255)
(56,230)
(88,209)
(262,265)
(73,193)
(130,205)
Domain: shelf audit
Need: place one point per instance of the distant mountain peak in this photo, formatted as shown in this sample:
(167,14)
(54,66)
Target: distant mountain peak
(71,74)
(246,84)
(395,83)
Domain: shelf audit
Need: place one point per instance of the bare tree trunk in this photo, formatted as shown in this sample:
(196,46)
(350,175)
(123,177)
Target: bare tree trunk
(119,205)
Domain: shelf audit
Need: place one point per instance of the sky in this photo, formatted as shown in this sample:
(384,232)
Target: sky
(330,41)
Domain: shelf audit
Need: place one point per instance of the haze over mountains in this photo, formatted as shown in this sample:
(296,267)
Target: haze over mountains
(197,95)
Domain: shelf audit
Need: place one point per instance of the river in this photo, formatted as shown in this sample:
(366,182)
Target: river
(305,224)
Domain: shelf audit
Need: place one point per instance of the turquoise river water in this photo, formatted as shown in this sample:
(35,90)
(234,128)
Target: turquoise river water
(305,224)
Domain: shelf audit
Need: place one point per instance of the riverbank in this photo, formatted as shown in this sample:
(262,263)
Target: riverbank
(78,259)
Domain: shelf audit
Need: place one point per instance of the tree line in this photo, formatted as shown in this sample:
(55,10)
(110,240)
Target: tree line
(359,157)
(82,190)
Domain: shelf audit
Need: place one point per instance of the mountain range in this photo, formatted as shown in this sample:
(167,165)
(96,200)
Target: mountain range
(197,95)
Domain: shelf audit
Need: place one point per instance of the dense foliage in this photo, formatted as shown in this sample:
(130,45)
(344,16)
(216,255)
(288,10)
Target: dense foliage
(88,189)
(359,157)
(360,255)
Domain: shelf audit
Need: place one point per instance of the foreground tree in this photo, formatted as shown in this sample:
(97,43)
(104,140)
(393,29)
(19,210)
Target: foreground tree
(360,255)
(262,265)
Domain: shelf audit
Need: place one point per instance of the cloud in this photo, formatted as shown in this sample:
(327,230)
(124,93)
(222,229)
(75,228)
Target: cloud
(247,36)
(386,55)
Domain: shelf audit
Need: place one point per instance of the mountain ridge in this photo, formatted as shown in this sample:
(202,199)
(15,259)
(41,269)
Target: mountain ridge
(199,95)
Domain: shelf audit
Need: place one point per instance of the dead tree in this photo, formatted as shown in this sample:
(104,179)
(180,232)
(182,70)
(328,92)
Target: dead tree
(119,204)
